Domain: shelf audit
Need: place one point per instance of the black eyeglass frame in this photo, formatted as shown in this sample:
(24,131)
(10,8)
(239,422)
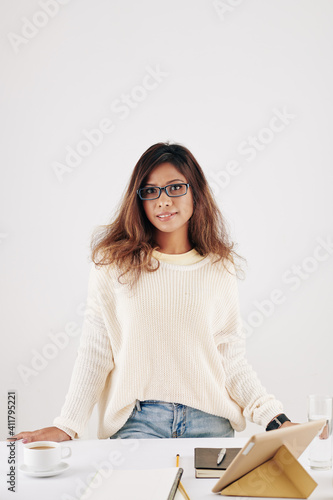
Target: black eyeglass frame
(165,190)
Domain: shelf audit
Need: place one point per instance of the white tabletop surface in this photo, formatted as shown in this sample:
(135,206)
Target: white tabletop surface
(90,455)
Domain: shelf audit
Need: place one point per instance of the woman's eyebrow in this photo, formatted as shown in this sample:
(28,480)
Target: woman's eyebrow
(173,180)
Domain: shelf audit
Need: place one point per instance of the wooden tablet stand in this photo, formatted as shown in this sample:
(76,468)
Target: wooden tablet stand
(282,476)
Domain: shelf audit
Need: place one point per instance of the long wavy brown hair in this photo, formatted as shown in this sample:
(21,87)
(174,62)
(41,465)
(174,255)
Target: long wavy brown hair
(128,241)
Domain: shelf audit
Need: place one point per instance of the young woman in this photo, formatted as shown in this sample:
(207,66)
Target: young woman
(162,351)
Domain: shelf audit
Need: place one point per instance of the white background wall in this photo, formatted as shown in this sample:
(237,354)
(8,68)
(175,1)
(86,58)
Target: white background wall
(227,71)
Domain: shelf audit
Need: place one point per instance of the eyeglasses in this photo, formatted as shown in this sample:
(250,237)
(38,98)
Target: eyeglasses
(154,192)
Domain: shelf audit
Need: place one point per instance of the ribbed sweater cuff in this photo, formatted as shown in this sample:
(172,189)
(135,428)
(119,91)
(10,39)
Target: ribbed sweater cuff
(267,414)
(68,431)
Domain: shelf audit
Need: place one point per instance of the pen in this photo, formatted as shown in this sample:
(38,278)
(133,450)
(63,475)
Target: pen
(180,486)
(221,455)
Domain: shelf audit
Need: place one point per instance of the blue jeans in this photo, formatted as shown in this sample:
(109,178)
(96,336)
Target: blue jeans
(156,419)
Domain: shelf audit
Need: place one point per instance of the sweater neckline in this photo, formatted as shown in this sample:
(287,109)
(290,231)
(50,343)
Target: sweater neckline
(188,267)
(183,259)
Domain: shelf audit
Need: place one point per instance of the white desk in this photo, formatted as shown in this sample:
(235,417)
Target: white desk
(89,455)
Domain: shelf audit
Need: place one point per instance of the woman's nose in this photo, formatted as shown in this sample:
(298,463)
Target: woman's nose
(164,199)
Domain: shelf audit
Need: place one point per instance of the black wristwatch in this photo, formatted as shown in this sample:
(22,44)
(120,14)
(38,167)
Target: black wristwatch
(277,422)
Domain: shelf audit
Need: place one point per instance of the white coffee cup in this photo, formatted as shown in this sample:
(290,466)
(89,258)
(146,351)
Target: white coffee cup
(44,455)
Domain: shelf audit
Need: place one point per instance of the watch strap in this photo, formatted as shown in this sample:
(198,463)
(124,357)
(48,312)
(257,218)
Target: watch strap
(277,422)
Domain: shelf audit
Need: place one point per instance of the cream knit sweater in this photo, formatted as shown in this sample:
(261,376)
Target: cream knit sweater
(175,337)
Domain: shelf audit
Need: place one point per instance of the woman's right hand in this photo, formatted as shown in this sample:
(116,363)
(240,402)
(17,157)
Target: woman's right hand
(46,434)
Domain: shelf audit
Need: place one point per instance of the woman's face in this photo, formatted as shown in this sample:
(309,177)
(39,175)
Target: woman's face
(168,214)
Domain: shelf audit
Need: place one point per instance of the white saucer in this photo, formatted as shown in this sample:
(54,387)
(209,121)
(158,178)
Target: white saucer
(46,473)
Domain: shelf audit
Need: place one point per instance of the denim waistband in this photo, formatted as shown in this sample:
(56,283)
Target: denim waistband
(139,403)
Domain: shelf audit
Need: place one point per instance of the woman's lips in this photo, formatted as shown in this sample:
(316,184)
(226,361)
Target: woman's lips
(166,216)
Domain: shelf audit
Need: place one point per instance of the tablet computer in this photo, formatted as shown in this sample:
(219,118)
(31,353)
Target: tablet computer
(262,447)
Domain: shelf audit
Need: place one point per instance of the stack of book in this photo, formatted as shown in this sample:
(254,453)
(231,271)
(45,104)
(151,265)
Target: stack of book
(205,461)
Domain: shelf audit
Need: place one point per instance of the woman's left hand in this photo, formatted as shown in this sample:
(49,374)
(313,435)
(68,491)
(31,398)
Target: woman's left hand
(323,435)
(287,424)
